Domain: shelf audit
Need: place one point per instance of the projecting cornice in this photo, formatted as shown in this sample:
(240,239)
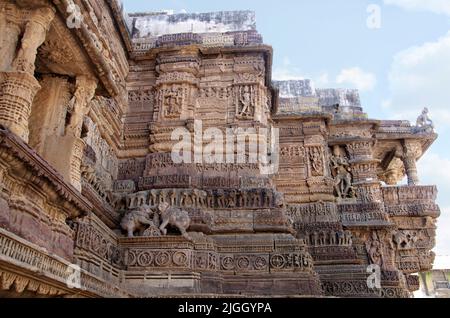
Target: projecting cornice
(26,164)
(110,69)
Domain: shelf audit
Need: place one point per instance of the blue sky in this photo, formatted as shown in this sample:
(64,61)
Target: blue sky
(399,68)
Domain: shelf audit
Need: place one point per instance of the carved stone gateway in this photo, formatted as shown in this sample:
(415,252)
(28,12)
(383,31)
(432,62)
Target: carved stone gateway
(88,177)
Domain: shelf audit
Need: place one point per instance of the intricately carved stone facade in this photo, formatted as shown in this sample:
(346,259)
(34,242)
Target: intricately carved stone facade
(88,181)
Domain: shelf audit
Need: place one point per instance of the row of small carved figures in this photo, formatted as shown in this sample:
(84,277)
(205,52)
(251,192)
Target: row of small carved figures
(323,238)
(89,175)
(254,198)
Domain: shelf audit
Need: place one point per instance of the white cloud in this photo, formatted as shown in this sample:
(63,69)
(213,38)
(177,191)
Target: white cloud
(419,78)
(287,71)
(351,77)
(434,169)
(386,103)
(442,262)
(435,6)
(442,249)
(285,74)
(357,78)
(323,80)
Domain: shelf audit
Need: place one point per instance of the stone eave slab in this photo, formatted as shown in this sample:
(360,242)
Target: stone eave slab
(41,169)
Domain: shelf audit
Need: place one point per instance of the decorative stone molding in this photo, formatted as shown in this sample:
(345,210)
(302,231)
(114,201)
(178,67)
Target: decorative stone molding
(54,272)
(15,150)
(319,222)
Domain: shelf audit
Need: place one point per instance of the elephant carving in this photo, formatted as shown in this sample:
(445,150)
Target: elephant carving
(174,217)
(137,220)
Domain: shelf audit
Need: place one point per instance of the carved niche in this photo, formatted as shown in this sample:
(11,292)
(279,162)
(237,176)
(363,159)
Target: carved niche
(249,97)
(176,89)
(172,100)
(341,173)
(245,108)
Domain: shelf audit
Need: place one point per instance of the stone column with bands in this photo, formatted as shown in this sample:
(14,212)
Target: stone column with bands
(18,85)
(79,107)
(411,151)
(364,169)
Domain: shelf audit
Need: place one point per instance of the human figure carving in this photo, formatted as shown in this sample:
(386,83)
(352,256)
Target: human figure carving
(174,217)
(199,198)
(308,238)
(268,198)
(136,200)
(243,198)
(79,104)
(316,160)
(154,197)
(173,102)
(88,173)
(163,196)
(333,237)
(202,197)
(316,238)
(245,103)
(141,198)
(256,198)
(341,238)
(173,197)
(375,250)
(323,238)
(342,176)
(195,198)
(186,199)
(210,199)
(232,199)
(221,198)
(348,238)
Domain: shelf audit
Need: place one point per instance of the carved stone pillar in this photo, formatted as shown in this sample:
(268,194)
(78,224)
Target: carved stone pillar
(411,151)
(80,107)
(65,147)
(79,104)
(35,33)
(75,163)
(9,37)
(18,87)
(48,115)
(17,91)
(319,180)
(364,169)
(176,93)
(411,170)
